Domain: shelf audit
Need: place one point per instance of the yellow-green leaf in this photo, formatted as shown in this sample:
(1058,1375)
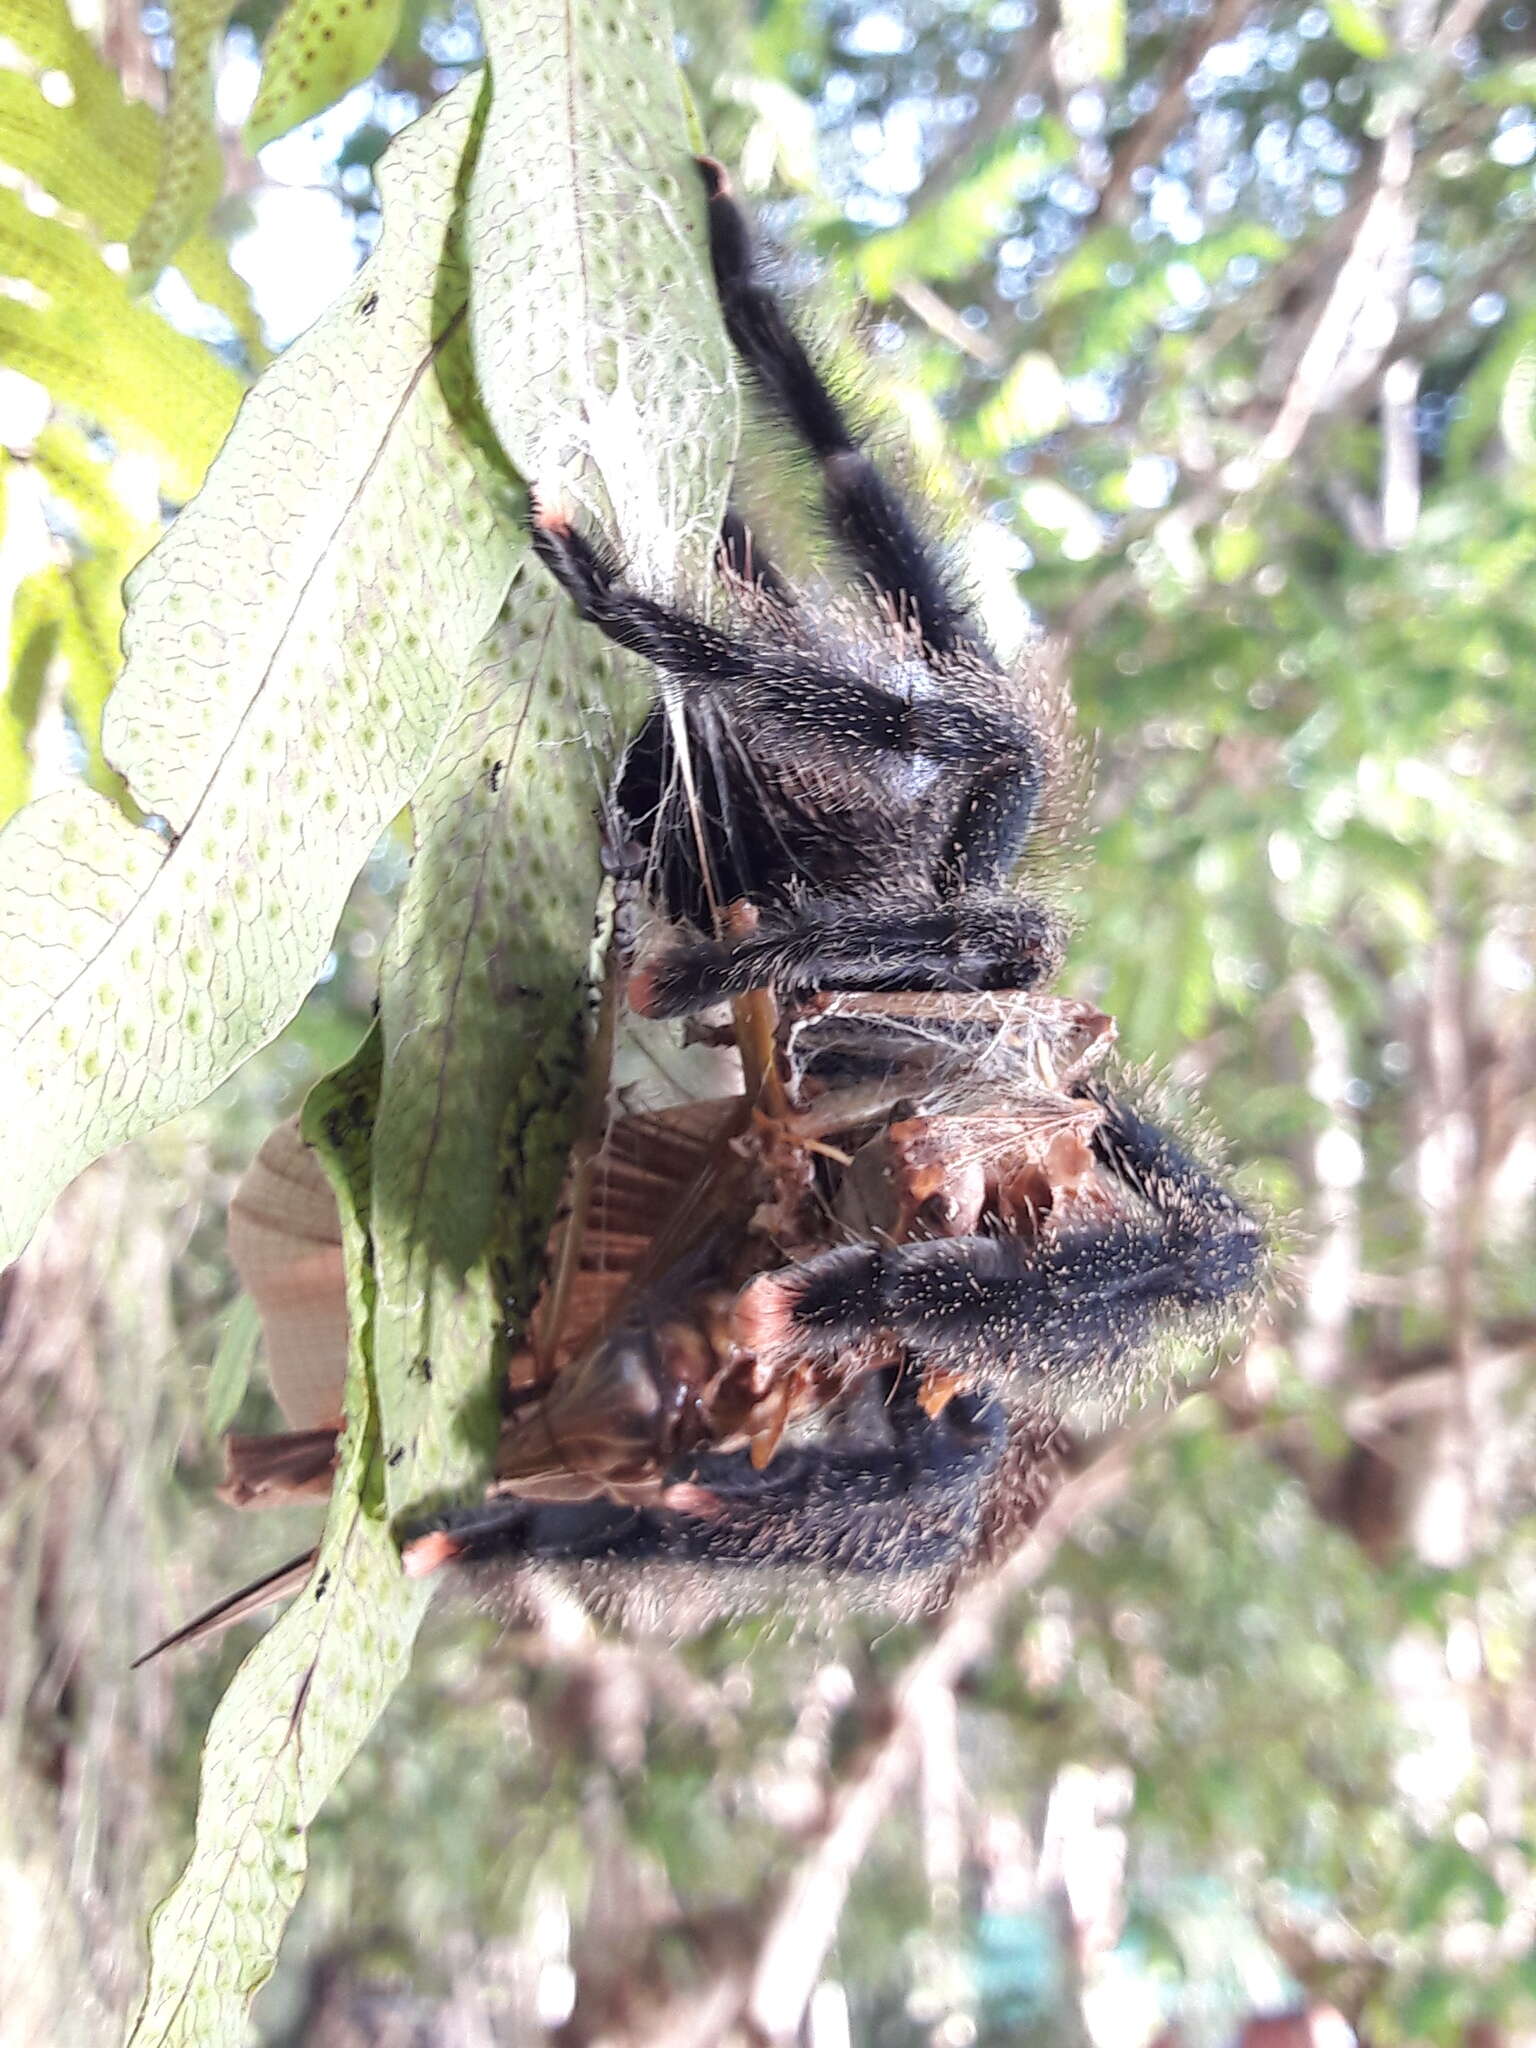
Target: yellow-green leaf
(583,178)
(77,475)
(319,50)
(500,899)
(1030,403)
(1091,43)
(98,153)
(191,173)
(949,238)
(1360,27)
(1236,547)
(104,354)
(295,644)
(302,1703)
(33,638)
(1505,85)
(581,380)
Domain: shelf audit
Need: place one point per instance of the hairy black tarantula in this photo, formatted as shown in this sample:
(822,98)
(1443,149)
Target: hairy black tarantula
(925,1223)
(843,856)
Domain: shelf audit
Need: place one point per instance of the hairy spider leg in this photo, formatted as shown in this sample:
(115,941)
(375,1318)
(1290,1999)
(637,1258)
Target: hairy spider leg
(995,818)
(908,1507)
(991,828)
(740,556)
(1081,1307)
(787,702)
(784,693)
(733,817)
(980,943)
(863,511)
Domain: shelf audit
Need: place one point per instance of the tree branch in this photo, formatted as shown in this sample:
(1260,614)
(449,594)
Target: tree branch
(1025,67)
(803,1925)
(1145,140)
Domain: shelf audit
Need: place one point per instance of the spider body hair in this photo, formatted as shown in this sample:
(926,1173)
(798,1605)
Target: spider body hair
(860,808)
(992,1232)
(888,1513)
(926,1492)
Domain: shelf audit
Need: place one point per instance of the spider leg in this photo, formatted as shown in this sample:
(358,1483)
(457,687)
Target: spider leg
(912,1506)
(1219,1240)
(995,819)
(992,826)
(794,706)
(1080,1307)
(780,692)
(864,511)
(785,696)
(592,576)
(740,557)
(980,942)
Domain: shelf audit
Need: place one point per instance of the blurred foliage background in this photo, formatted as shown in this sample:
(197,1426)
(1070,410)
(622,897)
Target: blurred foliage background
(1214,328)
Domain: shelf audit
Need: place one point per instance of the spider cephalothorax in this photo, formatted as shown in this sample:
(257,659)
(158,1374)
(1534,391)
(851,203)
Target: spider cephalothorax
(929,1222)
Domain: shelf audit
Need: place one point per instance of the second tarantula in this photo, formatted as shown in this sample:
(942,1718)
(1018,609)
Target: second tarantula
(842,861)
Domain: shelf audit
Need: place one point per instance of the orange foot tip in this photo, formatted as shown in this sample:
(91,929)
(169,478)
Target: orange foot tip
(428,1552)
(937,1391)
(550,517)
(641,991)
(687,1499)
(763,1318)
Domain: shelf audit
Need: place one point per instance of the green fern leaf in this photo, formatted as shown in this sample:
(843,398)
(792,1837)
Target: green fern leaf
(36,613)
(98,153)
(625,403)
(191,173)
(80,333)
(583,401)
(480,1043)
(483,1000)
(319,50)
(300,1706)
(295,644)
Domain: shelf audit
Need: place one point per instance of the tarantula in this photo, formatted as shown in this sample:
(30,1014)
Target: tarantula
(924,1223)
(842,855)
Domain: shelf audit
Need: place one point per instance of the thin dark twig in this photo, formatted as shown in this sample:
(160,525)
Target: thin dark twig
(1145,140)
(1024,68)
